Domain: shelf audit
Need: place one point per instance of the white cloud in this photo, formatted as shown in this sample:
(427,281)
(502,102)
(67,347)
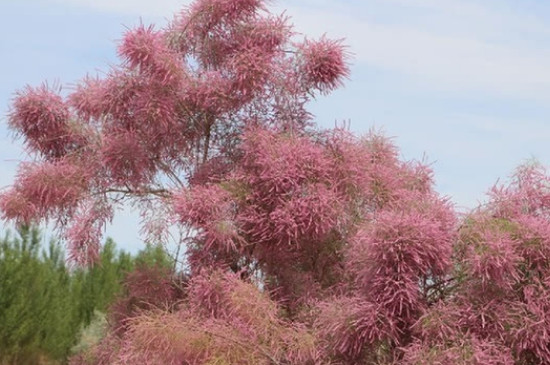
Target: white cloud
(143,8)
(435,60)
(463,58)
(479,18)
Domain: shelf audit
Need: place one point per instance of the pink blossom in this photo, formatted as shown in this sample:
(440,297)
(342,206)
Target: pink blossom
(52,186)
(324,63)
(42,117)
(83,235)
(126,159)
(15,206)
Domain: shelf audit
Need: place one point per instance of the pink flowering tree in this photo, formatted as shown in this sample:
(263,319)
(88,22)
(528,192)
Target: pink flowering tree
(173,114)
(305,246)
(496,310)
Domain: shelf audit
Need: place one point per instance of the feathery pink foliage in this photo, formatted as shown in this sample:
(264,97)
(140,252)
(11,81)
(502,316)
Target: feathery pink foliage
(494,259)
(405,244)
(87,98)
(51,186)
(304,246)
(146,288)
(216,11)
(498,302)
(43,119)
(464,351)
(348,327)
(180,100)
(325,63)
(208,92)
(84,234)
(145,48)
(222,320)
(15,206)
(126,159)
(209,209)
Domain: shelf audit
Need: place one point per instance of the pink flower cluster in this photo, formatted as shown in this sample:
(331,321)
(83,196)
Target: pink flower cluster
(305,246)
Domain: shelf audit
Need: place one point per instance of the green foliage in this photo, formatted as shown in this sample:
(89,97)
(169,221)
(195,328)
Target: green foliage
(48,308)
(98,285)
(36,305)
(154,255)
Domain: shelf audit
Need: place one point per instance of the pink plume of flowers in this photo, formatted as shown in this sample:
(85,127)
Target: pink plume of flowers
(251,69)
(266,34)
(87,98)
(289,211)
(211,172)
(211,209)
(251,313)
(52,186)
(463,351)
(324,65)
(146,49)
(368,172)
(209,92)
(312,214)
(402,246)
(118,99)
(213,12)
(126,159)
(140,45)
(141,106)
(533,242)
(529,193)
(145,288)
(417,176)
(154,109)
(528,325)
(493,258)
(350,160)
(15,206)
(42,117)
(350,327)
(223,319)
(448,333)
(84,234)
(224,295)
(218,21)
(276,163)
(203,204)
(439,324)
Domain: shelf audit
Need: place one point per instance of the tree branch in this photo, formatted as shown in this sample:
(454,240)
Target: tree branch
(173,177)
(163,193)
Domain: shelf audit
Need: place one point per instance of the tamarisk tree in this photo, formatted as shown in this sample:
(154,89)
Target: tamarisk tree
(173,113)
(306,246)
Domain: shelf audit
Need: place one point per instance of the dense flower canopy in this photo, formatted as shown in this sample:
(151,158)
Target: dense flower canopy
(305,246)
(173,112)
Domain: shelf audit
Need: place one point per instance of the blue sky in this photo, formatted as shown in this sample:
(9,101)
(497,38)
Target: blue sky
(465,83)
